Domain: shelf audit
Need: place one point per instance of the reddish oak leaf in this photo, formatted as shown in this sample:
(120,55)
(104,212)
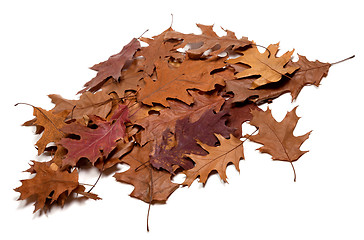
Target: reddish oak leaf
(112,67)
(94,143)
(150,185)
(277,137)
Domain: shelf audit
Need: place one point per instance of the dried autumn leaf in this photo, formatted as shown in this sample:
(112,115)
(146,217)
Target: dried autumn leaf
(277,137)
(98,103)
(94,143)
(49,183)
(158,48)
(211,43)
(229,151)
(112,67)
(51,123)
(309,73)
(173,82)
(150,185)
(267,65)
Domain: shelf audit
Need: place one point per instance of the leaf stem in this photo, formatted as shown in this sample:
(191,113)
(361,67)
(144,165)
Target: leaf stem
(150,196)
(343,60)
(93,186)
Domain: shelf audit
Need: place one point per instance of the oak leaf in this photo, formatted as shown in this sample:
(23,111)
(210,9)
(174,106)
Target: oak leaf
(94,143)
(309,73)
(49,183)
(277,137)
(112,67)
(158,48)
(229,151)
(51,124)
(267,65)
(150,185)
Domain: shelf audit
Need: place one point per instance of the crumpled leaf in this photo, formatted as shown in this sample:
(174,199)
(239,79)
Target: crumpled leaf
(267,65)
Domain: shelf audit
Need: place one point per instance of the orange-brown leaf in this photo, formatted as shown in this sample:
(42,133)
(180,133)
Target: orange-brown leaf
(267,65)
(229,151)
(52,123)
(49,183)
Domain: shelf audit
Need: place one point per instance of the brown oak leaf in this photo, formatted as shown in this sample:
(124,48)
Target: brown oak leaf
(229,151)
(49,184)
(267,65)
(277,137)
(150,185)
(50,123)
(309,73)
(158,48)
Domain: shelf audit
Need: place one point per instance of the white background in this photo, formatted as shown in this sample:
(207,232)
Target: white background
(47,47)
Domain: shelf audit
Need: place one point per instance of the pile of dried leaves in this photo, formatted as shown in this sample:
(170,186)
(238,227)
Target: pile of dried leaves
(175,106)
